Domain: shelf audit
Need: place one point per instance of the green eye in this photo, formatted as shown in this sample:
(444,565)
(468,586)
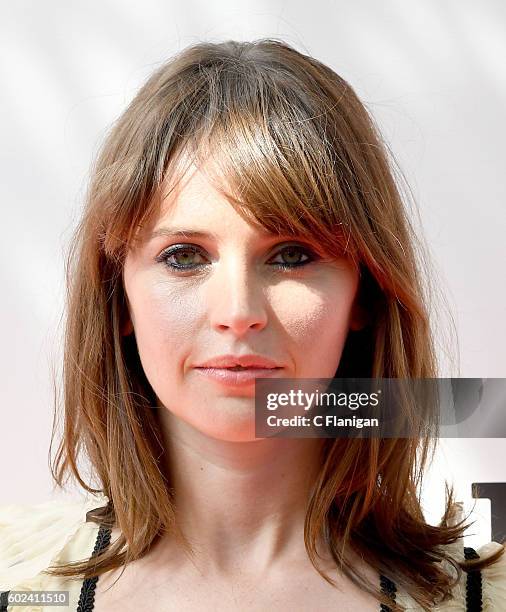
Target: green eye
(185,256)
(291,255)
(182,257)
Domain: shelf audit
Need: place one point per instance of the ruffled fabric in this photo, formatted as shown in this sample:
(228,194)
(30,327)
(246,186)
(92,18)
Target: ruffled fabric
(34,537)
(493,580)
(493,577)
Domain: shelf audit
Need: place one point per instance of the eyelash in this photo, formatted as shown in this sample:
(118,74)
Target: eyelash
(284,267)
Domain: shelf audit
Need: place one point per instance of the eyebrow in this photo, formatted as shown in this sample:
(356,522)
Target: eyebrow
(168,231)
(187,233)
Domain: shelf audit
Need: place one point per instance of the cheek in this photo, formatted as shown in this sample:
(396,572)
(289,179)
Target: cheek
(311,322)
(164,324)
(316,323)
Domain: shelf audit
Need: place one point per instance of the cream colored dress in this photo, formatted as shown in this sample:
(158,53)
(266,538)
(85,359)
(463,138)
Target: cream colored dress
(34,537)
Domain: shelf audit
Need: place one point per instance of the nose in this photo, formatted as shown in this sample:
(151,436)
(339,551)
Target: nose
(237,300)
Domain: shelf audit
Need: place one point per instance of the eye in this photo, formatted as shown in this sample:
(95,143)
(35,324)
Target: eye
(183,257)
(293,254)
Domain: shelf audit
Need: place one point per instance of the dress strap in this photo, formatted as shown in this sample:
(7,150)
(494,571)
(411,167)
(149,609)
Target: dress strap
(87,597)
(474,600)
(388,588)
(474,597)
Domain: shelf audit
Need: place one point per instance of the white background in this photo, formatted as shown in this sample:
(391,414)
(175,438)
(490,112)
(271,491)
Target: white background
(432,73)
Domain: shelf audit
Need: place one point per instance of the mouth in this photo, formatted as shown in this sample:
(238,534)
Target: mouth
(237,368)
(237,375)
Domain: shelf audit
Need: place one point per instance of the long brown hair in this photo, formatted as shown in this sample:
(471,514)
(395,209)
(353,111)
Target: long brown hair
(298,151)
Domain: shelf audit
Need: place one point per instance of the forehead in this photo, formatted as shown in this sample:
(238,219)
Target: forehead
(193,196)
(193,203)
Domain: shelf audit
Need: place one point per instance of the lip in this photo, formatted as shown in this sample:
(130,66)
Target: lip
(247,361)
(238,377)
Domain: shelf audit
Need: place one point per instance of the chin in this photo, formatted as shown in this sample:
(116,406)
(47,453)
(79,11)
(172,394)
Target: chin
(226,428)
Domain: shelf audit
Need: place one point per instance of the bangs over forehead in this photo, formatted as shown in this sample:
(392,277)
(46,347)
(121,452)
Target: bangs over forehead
(263,150)
(272,139)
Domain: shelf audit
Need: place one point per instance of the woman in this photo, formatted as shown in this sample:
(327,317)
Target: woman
(233,159)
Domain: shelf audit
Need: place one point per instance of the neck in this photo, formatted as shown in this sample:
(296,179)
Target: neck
(240,504)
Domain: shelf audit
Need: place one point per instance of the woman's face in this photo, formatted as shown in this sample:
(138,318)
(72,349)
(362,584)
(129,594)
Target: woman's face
(221,293)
